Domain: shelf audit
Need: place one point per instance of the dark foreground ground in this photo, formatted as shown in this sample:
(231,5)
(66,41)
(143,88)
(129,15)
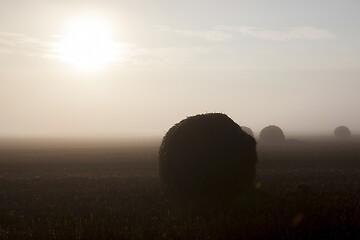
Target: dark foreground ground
(305,190)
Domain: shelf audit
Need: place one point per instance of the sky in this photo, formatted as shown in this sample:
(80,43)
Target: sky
(295,64)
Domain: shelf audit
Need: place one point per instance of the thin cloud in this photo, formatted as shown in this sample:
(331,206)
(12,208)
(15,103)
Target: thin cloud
(165,56)
(310,33)
(301,33)
(208,35)
(134,55)
(21,44)
(15,43)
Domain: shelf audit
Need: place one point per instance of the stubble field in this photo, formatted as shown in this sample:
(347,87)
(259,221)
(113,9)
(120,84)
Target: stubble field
(305,190)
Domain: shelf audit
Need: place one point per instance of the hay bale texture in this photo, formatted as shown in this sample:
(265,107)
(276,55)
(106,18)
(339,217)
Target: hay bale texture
(207,154)
(272,134)
(342,132)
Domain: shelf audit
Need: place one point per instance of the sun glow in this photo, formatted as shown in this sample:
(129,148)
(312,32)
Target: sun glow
(88,44)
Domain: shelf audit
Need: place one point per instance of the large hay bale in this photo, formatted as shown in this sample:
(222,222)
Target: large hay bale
(342,132)
(272,134)
(207,154)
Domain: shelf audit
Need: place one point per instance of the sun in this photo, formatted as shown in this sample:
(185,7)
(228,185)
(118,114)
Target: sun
(88,44)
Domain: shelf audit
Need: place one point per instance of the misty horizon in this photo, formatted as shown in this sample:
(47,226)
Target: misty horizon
(179,119)
(112,71)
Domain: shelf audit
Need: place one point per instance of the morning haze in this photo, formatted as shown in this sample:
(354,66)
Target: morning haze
(179,119)
(293,64)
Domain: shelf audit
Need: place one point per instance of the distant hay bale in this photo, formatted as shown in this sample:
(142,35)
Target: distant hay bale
(342,132)
(247,130)
(272,134)
(207,154)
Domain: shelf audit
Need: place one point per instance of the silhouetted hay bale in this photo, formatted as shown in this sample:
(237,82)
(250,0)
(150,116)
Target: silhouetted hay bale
(303,189)
(207,154)
(342,132)
(247,130)
(272,134)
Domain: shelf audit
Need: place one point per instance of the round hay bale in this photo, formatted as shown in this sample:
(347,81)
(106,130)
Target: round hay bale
(272,134)
(247,130)
(342,132)
(207,154)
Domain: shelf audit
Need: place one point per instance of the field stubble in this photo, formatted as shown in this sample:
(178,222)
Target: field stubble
(304,190)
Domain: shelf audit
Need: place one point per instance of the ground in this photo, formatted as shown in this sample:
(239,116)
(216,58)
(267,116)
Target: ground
(308,189)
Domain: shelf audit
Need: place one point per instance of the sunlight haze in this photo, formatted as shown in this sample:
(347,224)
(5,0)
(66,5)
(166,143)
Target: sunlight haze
(134,68)
(88,44)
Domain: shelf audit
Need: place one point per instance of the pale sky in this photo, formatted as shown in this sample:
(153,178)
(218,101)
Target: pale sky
(295,64)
